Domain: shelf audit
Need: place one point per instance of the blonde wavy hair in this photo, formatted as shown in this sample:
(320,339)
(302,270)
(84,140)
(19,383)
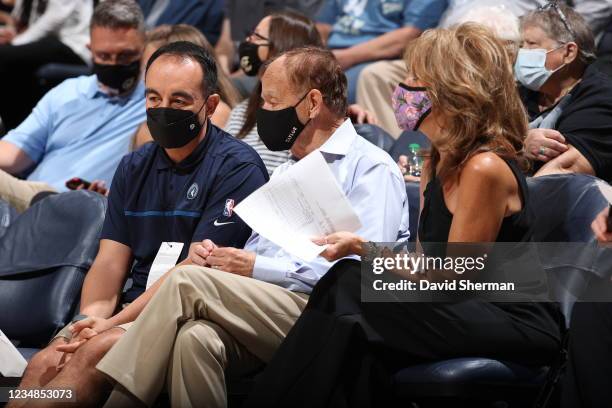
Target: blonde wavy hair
(468,74)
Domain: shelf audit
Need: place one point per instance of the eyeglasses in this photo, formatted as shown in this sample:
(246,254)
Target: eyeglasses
(256,35)
(554,4)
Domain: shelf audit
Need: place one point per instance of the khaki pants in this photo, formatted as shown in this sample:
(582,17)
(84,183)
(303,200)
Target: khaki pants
(375,88)
(19,193)
(201,325)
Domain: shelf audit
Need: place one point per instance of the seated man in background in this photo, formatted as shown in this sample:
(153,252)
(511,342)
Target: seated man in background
(203,321)
(175,192)
(568,100)
(362,31)
(378,80)
(84,126)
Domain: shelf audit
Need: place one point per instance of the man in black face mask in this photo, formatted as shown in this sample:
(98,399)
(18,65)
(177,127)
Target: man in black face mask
(233,309)
(86,122)
(166,198)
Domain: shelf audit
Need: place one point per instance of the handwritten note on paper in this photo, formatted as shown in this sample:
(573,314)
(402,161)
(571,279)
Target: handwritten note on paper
(303,202)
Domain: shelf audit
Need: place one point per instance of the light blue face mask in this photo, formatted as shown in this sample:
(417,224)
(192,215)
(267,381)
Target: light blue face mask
(530,68)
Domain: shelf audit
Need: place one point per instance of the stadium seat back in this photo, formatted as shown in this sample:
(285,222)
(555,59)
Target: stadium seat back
(565,206)
(44,256)
(375,135)
(7,216)
(401,146)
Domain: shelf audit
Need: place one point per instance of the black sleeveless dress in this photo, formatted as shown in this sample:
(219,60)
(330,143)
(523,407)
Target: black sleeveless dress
(343,353)
(435,220)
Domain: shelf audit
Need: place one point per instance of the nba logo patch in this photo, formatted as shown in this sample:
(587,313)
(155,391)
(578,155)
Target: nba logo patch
(229,207)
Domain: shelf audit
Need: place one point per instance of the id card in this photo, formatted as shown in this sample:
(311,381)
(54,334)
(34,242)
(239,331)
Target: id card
(165,260)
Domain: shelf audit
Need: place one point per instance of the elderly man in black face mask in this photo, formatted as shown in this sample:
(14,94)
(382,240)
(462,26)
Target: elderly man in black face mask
(86,122)
(166,198)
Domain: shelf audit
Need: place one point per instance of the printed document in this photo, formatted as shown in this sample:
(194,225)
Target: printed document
(302,203)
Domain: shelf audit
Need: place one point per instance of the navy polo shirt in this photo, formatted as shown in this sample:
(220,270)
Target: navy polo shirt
(153,200)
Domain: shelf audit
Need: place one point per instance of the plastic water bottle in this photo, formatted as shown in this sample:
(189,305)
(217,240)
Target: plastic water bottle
(415,162)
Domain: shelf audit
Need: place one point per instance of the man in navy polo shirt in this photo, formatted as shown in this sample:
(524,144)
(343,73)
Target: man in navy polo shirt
(179,190)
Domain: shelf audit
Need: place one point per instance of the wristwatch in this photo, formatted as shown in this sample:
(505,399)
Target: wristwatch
(371,251)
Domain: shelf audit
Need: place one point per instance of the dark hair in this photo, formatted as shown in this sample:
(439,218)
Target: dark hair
(563,24)
(188,50)
(317,68)
(165,34)
(288,30)
(118,14)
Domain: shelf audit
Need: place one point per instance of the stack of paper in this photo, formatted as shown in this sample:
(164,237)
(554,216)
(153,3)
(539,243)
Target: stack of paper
(302,203)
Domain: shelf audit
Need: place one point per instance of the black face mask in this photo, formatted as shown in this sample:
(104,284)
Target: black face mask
(119,77)
(173,128)
(249,58)
(279,129)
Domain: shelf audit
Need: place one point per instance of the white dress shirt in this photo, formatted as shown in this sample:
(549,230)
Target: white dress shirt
(374,186)
(68,20)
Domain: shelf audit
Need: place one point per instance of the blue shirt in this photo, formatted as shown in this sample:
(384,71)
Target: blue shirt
(374,186)
(154,200)
(76,130)
(206,16)
(357,21)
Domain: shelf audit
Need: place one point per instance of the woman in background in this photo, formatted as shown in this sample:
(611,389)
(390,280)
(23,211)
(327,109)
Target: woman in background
(460,92)
(275,34)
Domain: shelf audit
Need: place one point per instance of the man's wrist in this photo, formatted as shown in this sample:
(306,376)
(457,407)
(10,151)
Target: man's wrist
(79,317)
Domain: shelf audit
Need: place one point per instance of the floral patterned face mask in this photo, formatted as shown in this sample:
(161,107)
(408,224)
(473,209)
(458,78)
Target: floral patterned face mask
(411,106)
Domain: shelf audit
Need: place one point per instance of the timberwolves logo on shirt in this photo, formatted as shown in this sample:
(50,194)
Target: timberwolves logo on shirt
(192,192)
(229,207)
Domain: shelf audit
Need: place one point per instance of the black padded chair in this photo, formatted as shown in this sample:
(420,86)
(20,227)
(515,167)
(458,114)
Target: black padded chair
(375,135)
(44,256)
(565,206)
(8,214)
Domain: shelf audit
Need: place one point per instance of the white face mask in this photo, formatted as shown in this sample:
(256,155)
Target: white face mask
(530,68)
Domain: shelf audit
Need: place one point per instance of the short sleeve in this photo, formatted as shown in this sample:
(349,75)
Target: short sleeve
(329,12)
(32,134)
(115,223)
(424,14)
(587,124)
(219,223)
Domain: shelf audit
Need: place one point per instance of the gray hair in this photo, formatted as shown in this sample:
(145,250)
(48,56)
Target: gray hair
(118,14)
(573,29)
(501,20)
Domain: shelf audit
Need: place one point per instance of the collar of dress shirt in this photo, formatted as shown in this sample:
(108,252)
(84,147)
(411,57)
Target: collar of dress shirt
(341,140)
